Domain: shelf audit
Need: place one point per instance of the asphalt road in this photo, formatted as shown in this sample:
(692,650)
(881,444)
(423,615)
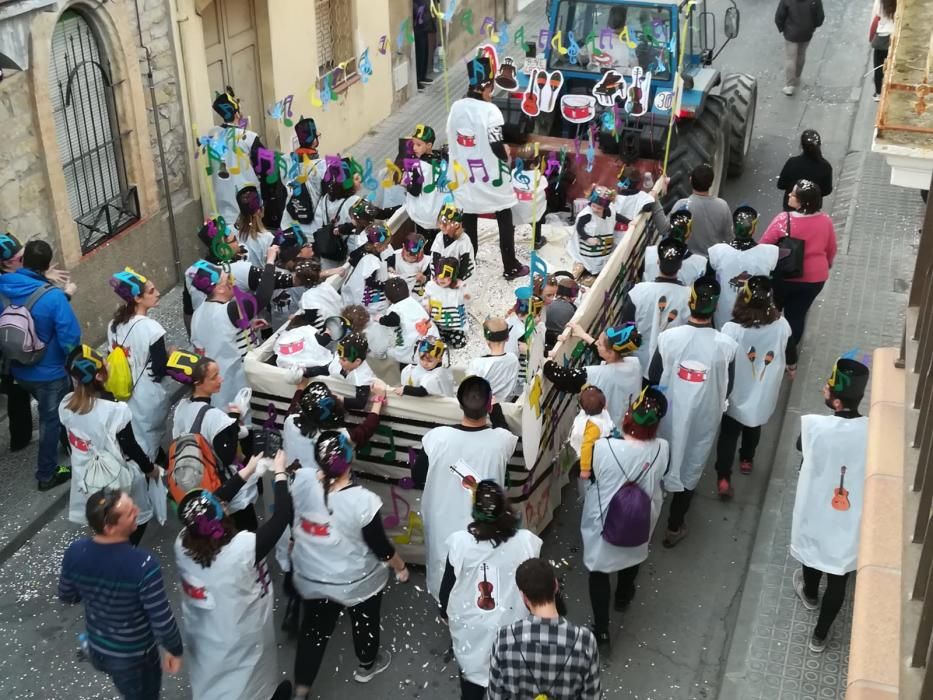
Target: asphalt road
(673,641)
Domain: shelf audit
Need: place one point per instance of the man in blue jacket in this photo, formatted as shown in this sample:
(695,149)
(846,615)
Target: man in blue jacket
(47,381)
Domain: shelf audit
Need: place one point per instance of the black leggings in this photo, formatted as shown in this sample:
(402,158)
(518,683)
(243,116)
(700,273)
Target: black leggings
(833,597)
(470,690)
(729,433)
(245,519)
(680,504)
(506,236)
(795,300)
(600,586)
(19,412)
(880,57)
(318,620)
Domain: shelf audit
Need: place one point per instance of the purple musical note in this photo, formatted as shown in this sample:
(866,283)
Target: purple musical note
(544,38)
(603,35)
(475,164)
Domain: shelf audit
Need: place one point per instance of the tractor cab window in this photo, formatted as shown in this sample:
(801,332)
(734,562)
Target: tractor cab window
(614,36)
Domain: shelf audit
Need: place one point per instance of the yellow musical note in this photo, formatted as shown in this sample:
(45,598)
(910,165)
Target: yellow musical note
(415,524)
(455,182)
(240,157)
(624,37)
(437,309)
(394,172)
(534,395)
(559,45)
(314,97)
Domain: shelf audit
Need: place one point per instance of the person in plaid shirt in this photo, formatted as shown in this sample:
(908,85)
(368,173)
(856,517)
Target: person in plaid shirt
(543,655)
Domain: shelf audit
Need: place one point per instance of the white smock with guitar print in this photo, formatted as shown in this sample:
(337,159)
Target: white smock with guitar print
(830,493)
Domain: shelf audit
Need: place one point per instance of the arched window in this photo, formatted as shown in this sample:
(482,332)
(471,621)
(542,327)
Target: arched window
(88,132)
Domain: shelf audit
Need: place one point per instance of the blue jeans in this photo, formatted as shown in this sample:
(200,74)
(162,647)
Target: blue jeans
(49,395)
(136,679)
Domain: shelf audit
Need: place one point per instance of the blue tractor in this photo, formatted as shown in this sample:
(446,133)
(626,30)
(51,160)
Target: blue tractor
(615,92)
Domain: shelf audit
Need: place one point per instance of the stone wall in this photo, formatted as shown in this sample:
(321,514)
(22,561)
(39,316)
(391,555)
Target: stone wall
(23,187)
(155,19)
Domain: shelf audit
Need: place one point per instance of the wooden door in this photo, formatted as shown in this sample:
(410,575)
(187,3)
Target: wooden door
(232,52)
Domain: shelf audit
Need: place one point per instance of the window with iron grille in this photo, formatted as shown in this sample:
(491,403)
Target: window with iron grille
(334,35)
(87,128)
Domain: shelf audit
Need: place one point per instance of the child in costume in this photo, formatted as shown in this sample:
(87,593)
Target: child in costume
(423,199)
(693,266)
(619,375)
(452,243)
(407,318)
(365,283)
(411,264)
(251,232)
(350,364)
(592,423)
(308,170)
(429,377)
(319,299)
(593,239)
(630,200)
(333,229)
(498,367)
(444,299)
(521,329)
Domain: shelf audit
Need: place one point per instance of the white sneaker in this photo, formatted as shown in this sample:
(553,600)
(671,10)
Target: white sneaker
(788,90)
(816,644)
(365,675)
(876,97)
(808,603)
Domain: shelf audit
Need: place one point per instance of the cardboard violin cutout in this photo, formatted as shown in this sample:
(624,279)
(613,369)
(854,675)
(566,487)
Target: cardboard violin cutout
(613,89)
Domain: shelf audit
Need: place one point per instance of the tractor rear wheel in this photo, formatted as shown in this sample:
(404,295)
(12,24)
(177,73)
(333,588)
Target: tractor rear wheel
(741,93)
(701,140)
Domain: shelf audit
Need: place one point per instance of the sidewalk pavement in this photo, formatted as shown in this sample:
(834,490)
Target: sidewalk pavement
(862,306)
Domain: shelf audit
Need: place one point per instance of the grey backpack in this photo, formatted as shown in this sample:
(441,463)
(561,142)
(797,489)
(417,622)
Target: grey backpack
(19,341)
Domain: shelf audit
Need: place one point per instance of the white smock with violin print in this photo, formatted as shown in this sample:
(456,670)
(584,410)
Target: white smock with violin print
(658,306)
(227,622)
(641,461)
(733,267)
(696,374)
(446,503)
(149,400)
(93,432)
(485,596)
(759,370)
(484,183)
(830,493)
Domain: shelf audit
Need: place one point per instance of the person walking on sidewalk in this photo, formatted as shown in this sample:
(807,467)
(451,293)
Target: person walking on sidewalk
(764,337)
(479,160)
(808,165)
(696,364)
(806,222)
(797,20)
(882,27)
(57,326)
(126,611)
(634,465)
(825,529)
(543,655)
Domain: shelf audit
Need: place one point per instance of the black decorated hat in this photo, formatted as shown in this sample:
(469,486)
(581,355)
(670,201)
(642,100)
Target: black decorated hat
(489,501)
(671,248)
(744,222)
(319,407)
(249,200)
(650,406)
(226,104)
(704,295)
(353,347)
(425,133)
(333,453)
(681,224)
(848,380)
(306,131)
(479,72)
(757,291)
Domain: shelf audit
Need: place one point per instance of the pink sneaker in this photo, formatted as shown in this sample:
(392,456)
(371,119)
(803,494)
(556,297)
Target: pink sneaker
(745,466)
(725,489)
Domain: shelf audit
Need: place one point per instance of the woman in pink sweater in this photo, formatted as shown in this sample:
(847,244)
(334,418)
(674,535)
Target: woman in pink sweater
(808,223)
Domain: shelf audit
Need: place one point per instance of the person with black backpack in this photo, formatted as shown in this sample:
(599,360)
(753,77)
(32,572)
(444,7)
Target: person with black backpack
(622,506)
(38,328)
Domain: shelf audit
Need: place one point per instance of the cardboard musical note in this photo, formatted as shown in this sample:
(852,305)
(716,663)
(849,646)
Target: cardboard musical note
(382,44)
(395,518)
(466,21)
(502,38)
(364,66)
(475,164)
(573,48)
(394,174)
(557,43)
(519,37)
(457,169)
(415,525)
(503,171)
(390,454)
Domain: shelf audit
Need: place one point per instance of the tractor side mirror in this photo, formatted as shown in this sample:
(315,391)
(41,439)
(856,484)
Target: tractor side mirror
(731,22)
